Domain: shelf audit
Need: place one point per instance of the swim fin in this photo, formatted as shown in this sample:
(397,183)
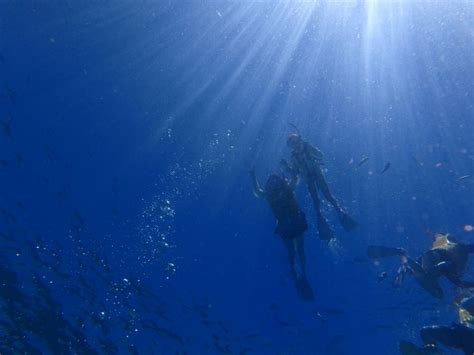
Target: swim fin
(347,222)
(325,232)
(377,252)
(426,280)
(304,289)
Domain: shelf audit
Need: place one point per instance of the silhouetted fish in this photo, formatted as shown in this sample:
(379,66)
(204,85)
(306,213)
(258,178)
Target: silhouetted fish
(10,93)
(7,127)
(387,166)
(10,216)
(420,164)
(362,162)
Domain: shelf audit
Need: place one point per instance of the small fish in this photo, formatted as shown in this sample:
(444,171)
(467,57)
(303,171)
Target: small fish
(19,159)
(362,161)
(7,127)
(464,177)
(218,13)
(10,93)
(387,166)
(420,164)
(382,276)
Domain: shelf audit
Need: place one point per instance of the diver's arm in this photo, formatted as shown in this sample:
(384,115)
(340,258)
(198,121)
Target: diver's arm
(314,152)
(257,190)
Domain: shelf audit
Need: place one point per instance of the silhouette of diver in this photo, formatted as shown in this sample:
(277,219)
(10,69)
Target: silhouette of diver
(458,336)
(306,161)
(447,257)
(291,225)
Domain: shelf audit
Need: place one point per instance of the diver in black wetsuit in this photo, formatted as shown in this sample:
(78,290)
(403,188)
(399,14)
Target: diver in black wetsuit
(458,336)
(291,225)
(306,162)
(447,257)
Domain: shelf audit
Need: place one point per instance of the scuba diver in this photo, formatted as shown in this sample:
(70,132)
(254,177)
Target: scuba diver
(447,257)
(291,225)
(306,162)
(458,336)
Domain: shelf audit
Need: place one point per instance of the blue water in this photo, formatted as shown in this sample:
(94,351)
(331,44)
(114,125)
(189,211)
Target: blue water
(127,221)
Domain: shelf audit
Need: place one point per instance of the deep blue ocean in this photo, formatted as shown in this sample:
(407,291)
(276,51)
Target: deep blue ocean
(127,131)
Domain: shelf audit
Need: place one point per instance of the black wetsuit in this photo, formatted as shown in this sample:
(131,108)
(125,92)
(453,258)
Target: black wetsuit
(291,219)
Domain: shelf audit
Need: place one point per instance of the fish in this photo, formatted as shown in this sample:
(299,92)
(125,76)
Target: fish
(362,162)
(420,164)
(7,127)
(382,276)
(387,166)
(10,93)
(78,221)
(464,177)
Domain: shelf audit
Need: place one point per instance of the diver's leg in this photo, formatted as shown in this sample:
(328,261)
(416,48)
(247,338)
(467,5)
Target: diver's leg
(325,232)
(324,188)
(439,334)
(291,255)
(299,247)
(303,287)
(346,221)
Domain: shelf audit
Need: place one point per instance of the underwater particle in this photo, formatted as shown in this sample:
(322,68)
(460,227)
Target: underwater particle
(438,165)
(468,228)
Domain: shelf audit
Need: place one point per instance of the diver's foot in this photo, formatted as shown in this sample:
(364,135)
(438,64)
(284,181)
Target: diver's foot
(304,289)
(325,232)
(347,221)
